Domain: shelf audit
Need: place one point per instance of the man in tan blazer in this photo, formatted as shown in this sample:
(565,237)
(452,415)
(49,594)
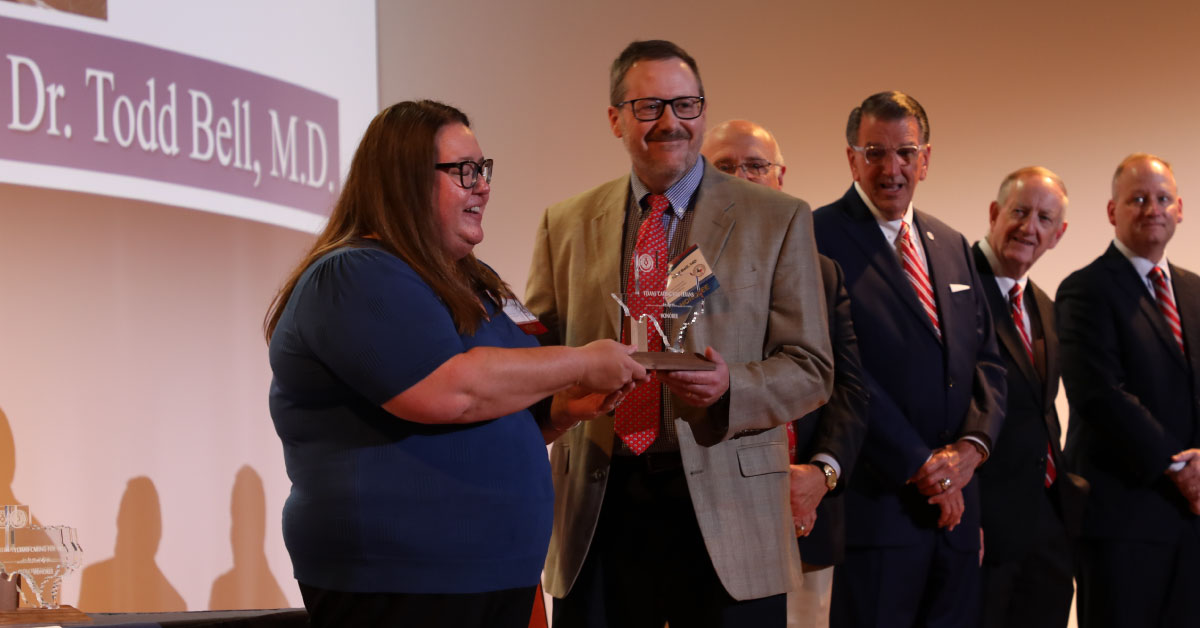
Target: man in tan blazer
(696,529)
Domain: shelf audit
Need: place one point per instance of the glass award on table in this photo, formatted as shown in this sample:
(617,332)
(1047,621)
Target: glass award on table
(667,313)
(41,556)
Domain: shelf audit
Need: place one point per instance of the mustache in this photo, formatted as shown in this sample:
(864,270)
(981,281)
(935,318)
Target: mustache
(669,135)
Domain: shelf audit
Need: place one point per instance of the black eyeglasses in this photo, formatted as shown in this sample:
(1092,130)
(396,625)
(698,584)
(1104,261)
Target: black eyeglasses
(468,171)
(753,169)
(876,154)
(650,109)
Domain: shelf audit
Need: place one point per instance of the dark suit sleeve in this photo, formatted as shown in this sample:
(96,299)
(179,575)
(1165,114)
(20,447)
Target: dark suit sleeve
(893,446)
(842,425)
(1094,376)
(989,383)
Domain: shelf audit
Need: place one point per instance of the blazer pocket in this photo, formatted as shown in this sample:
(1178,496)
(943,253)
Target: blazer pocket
(763,458)
(732,279)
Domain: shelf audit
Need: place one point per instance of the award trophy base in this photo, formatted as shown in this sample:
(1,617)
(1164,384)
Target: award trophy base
(42,616)
(671,361)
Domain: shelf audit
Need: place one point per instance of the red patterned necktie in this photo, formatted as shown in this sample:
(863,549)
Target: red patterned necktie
(1018,314)
(915,271)
(637,417)
(1166,304)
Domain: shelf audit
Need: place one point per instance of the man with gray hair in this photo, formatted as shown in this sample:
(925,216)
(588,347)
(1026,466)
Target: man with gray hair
(744,149)
(1031,506)
(1129,324)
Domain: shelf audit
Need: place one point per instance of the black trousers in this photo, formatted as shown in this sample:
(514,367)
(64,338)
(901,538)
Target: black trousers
(1126,583)
(928,585)
(648,564)
(1033,590)
(510,608)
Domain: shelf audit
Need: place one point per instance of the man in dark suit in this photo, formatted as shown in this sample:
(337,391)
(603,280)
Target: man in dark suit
(1129,324)
(1031,505)
(825,443)
(687,519)
(934,376)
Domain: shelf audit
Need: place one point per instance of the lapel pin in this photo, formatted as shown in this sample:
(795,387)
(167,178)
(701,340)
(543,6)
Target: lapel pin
(929,234)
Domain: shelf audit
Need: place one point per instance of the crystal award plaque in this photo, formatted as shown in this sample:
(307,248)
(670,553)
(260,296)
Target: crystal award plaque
(41,555)
(667,313)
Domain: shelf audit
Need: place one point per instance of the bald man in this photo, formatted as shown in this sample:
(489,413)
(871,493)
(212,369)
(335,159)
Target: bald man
(823,444)
(1031,506)
(1129,324)
(744,149)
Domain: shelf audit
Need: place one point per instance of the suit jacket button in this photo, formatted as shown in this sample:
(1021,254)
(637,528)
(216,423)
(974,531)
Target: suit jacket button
(598,474)
(944,436)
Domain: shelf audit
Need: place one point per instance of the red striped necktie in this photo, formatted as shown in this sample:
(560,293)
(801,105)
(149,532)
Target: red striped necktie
(915,271)
(1166,304)
(1018,314)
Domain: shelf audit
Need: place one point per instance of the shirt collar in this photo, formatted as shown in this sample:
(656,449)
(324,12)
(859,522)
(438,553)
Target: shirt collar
(1004,283)
(891,228)
(1142,265)
(680,195)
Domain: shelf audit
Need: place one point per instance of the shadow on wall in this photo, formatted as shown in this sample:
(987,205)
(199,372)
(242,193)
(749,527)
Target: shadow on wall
(131,581)
(9,597)
(250,583)
(8,470)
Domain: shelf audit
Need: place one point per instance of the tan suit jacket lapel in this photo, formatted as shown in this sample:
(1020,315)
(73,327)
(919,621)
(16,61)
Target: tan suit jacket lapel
(713,222)
(607,224)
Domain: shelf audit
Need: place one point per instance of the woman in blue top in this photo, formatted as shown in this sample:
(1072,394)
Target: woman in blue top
(402,392)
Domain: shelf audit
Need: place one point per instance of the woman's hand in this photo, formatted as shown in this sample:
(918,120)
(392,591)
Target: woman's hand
(608,367)
(576,404)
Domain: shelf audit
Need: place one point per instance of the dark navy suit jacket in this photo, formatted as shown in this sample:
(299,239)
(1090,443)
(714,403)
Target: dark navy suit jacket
(837,428)
(1135,397)
(925,392)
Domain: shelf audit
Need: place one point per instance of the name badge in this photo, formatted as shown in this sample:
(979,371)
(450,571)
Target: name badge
(519,314)
(690,277)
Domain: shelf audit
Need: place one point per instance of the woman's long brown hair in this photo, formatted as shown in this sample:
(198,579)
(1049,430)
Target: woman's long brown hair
(389,196)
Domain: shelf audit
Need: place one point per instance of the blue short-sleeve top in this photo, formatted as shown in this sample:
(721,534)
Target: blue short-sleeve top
(378,503)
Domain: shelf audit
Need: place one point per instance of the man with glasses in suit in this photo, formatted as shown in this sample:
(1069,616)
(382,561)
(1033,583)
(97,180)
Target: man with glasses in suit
(824,444)
(676,509)
(935,380)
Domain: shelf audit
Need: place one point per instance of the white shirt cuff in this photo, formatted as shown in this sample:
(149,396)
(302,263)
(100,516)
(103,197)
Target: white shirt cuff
(829,460)
(982,444)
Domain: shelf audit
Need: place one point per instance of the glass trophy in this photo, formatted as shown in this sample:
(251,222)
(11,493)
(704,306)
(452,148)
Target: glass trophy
(670,312)
(40,555)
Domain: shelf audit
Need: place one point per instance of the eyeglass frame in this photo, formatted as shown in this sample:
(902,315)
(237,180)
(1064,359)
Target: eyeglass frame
(663,101)
(483,164)
(862,150)
(745,167)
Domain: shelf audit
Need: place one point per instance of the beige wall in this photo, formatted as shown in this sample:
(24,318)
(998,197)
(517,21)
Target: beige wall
(1072,86)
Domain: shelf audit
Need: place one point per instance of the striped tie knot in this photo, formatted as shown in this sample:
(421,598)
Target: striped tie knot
(917,276)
